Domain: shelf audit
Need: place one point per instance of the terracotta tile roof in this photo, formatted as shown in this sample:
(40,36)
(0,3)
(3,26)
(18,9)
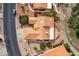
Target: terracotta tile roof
(40,6)
(44,21)
(41,28)
(58,51)
(32,20)
(30,33)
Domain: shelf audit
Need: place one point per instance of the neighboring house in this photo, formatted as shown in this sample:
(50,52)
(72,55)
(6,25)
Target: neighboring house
(58,51)
(38,7)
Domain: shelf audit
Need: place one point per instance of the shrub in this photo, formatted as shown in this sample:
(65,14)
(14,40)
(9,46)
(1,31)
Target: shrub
(49,45)
(56,45)
(67,47)
(23,19)
(77,34)
(42,46)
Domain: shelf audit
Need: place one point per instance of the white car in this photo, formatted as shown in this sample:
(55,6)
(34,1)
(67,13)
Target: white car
(14,12)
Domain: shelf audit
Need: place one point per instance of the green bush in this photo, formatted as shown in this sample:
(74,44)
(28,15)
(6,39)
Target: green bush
(67,47)
(49,45)
(23,19)
(42,46)
(56,45)
(77,34)
(52,13)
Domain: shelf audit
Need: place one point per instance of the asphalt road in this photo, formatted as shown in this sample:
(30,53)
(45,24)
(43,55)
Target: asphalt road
(10,30)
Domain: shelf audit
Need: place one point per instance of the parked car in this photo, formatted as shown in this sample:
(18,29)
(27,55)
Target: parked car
(14,12)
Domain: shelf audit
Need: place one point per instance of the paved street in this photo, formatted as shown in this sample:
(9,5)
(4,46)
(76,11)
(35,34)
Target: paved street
(10,30)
